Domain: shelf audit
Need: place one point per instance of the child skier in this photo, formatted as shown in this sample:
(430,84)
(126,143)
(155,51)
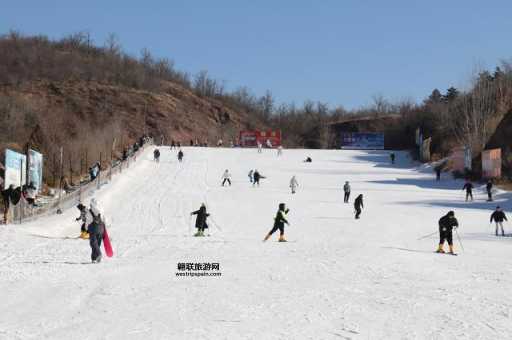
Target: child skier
(346,190)
(446,225)
(180,155)
(498,216)
(294,184)
(95,226)
(83,217)
(201,220)
(468,186)
(279,222)
(226,177)
(358,205)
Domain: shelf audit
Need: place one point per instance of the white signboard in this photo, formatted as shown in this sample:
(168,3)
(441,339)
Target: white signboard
(35,169)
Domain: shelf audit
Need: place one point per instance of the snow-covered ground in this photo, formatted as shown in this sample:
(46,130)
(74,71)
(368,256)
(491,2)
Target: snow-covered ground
(337,278)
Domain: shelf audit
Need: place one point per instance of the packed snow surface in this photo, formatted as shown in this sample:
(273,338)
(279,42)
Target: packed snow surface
(336,278)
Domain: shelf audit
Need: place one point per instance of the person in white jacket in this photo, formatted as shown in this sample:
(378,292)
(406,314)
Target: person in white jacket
(293,184)
(226,177)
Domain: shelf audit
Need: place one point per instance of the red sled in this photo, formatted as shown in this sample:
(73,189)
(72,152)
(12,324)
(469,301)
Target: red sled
(106,244)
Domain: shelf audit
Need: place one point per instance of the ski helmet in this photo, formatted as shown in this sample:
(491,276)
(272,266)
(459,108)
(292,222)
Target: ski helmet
(281,206)
(451,213)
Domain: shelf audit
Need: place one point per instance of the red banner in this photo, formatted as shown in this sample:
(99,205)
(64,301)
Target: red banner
(265,138)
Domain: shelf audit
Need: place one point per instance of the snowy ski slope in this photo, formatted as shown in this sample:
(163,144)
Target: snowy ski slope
(337,278)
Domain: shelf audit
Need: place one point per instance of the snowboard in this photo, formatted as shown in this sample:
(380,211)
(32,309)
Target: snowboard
(106,244)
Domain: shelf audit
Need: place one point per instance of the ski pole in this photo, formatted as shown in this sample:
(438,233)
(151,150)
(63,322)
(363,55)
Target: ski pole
(458,237)
(431,234)
(216,225)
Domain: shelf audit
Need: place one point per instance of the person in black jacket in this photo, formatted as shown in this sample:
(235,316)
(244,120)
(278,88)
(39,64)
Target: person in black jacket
(83,217)
(358,205)
(201,220)
(498,216)
(180,155)
(256,176)
(488,187)
(468,186)
(156,155)
(7,198)
(446,225)
(392,157)
(279,222)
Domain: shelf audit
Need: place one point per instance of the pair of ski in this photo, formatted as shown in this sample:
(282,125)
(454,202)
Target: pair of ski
(445,253)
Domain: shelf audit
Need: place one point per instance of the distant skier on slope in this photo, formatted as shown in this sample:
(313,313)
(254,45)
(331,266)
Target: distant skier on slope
(358,205)
(260,147)
(446,225)
(156,155)
(279,222)
(83,217)
(95,226)
(256,176)
(392,157)
(488,187)
(498,216)
(294,184)
(346,190)
(202,215)
(279,151)
(226,177)
(468,186)
(180,155)
(250,175)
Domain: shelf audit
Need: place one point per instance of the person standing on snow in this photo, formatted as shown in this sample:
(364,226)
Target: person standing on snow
(468,186)
(488,187)
(180,155)
(156,155)
(250,175)
(392,157)
(498,216)
(226,177)
(83,217)
(279,222)
(446,225)
(95,227)
(346,190)
(293,184)
(260,147)
(358,205)
(200,220)
(256,176)
(279,151)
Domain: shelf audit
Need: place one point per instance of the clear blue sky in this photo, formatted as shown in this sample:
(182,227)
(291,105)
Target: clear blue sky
(341,52)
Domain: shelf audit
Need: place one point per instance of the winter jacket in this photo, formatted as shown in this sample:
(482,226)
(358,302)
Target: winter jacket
(293,182)
(346,188)
(446,223)
(498,216)
(256,175)
(226,175)
(468,187)
(358,203)
(201,217)
(156,153)
(280,218)
(95,223)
